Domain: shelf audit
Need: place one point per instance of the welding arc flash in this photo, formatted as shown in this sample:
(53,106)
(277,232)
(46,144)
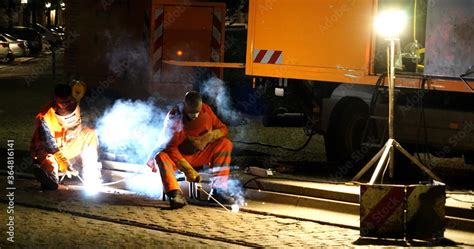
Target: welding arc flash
(235,208)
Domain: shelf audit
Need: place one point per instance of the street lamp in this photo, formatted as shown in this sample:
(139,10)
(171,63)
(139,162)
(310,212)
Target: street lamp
(47,5)
(389,24)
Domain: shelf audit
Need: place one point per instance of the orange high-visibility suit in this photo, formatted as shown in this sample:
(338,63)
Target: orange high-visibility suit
(217,153)
(50,137)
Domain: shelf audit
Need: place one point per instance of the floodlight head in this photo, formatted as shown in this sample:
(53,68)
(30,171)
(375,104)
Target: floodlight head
(390,23)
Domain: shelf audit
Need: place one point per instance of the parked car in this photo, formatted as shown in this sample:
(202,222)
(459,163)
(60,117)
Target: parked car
(28,34)
(51,36)
(18,47)
(59,30)
(6,54)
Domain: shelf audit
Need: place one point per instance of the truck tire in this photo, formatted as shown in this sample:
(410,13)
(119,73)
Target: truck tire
(345,130)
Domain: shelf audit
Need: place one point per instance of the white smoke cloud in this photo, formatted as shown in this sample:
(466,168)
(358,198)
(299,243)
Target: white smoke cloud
(133,129)
(218,95)
(146,183)
(126,56)
(234,187)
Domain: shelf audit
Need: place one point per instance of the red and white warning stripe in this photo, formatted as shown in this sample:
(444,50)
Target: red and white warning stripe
(158,27)
(146,30)
(216,35)
(382,210)
(267,56)
(217,39)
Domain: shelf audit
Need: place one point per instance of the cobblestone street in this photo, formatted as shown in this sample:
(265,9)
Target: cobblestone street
(42,229)
(113,220)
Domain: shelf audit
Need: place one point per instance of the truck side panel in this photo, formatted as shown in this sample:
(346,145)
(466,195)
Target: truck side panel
(309,39)
(183,30)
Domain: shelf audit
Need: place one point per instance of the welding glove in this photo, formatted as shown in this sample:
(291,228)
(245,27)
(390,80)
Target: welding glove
(191,174)
(202,141)
(63,162)
(216,134)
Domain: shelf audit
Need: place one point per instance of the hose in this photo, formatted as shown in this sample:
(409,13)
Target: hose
(277,146)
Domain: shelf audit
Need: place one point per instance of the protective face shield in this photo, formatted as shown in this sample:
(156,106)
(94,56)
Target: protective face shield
(64,106)
(71,120)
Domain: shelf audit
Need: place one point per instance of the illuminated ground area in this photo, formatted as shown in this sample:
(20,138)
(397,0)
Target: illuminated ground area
(38,228)
(194,225)
(68,218)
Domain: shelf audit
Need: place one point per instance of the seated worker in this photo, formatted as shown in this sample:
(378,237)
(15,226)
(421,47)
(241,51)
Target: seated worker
(198,138)
(60,143)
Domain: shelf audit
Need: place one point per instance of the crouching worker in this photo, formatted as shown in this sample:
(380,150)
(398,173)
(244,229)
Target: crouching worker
(60,145)
(199,138)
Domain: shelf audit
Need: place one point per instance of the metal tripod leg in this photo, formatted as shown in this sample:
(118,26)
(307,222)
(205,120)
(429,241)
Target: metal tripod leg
(382,162)
(382,156)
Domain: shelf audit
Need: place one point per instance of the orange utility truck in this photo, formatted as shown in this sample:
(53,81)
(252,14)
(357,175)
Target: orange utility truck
(324,59)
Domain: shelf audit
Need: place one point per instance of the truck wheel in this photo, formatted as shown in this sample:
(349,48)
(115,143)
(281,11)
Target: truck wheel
(345,131)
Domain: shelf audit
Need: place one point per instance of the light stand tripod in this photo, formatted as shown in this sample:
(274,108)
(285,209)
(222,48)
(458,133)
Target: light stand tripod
(386,155)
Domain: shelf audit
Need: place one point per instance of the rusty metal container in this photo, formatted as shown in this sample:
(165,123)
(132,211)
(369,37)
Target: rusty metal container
(402,211)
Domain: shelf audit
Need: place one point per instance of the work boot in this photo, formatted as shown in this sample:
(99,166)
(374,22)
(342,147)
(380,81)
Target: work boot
(222,196)
(176,199)
(48,180)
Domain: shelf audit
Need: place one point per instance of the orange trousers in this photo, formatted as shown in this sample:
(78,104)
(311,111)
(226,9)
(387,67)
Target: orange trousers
(218,154)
